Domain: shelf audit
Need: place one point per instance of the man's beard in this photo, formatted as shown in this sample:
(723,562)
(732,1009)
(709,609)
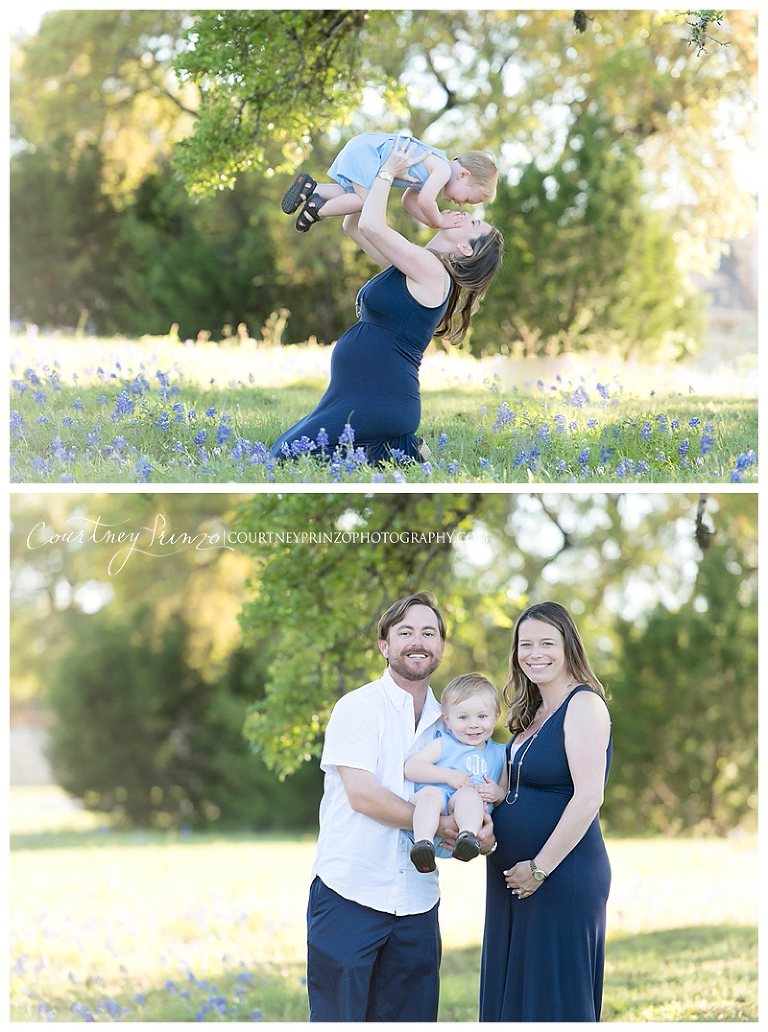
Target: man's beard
(408,673)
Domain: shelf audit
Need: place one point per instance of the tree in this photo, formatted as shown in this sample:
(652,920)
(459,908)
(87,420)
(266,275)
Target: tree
(589,264)
(684,729)
(140,735)
(266,76)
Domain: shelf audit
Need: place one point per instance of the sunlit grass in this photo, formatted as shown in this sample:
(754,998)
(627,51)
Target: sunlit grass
(161,414)
(147,927)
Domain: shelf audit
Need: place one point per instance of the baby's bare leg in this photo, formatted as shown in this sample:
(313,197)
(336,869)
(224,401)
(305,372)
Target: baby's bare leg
(468,809)
(338,201)
(428,806)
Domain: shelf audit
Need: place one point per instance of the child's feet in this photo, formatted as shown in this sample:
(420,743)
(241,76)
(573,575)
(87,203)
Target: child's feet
(308,215)
(300,190)
(467,847)
(423,856)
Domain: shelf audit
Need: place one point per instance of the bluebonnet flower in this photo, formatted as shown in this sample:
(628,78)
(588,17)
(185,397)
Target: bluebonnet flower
(40,466)
(20,386)
(210,413)
(743,462)
(707,442)
(442,441)
(102,399)
(143,470)
(65,478)
(200,437)
(178,412)
(559,419)
(427,469)
(32,377)
(347,435)
(603,391)
(504,417)
(562,466)
(223,433)
(18,426)
(584,456)
(683,447)
(521,458)
(694,422)
(543,434)
(304,445)
(606,453)
(322,438)
(123,404)
(453,467)
(260,453)
(483,410)
(646,431)
(39,397)
(591,424)
(77,403)
(162,422)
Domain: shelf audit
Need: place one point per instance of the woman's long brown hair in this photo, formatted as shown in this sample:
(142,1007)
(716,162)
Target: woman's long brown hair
(471,276)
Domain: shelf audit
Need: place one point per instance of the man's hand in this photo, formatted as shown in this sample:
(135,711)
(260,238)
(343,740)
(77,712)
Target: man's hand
(485,836)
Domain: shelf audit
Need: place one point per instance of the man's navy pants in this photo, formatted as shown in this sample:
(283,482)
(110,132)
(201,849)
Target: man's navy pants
(365,965)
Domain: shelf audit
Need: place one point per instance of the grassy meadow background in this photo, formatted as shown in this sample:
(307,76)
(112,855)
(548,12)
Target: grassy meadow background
(144,927)
(155,411)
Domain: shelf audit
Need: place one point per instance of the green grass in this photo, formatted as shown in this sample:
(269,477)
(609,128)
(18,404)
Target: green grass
(131,413)
(147,927)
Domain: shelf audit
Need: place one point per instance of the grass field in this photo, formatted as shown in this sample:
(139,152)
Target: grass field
(141,927)
(118,412)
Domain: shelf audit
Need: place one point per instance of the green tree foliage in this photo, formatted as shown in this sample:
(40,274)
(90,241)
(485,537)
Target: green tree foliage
(139,734)
(63,264)
(589,265)
(266,76)
(685,729)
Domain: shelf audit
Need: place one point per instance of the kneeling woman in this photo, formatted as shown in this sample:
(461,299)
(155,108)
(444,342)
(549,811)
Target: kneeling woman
(423,292)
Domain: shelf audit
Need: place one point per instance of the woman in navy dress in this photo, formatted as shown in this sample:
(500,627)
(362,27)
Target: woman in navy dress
(548,879)
(373,398)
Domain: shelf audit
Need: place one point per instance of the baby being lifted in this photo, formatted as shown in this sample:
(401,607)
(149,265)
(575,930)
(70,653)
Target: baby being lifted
(469,178)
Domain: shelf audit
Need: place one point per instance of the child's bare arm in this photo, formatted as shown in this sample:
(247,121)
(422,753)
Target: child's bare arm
(423,767)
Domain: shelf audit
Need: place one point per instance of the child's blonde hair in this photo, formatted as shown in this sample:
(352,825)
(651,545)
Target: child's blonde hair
(464,687)
(482,168)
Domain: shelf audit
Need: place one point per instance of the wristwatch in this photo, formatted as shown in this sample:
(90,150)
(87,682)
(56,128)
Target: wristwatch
(537,872)
(384,173)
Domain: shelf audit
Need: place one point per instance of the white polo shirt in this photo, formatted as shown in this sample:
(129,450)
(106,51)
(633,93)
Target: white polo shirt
(372,728)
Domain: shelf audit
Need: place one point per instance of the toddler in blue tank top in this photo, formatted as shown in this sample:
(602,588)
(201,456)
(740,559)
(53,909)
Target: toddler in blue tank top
(469,178)
(462,771)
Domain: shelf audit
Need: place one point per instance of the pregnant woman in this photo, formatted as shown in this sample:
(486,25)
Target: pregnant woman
(548,880)
(423,292)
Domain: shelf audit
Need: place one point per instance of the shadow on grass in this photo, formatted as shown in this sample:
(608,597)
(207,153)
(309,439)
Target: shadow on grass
(696,973)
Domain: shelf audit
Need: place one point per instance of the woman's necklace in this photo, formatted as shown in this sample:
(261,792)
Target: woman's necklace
(528,745)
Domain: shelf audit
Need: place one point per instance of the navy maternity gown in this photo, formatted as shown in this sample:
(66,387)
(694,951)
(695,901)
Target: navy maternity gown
(374,376)
(543,955)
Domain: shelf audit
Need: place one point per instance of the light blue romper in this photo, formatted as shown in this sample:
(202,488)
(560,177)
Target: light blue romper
(470,760)
(360,160)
